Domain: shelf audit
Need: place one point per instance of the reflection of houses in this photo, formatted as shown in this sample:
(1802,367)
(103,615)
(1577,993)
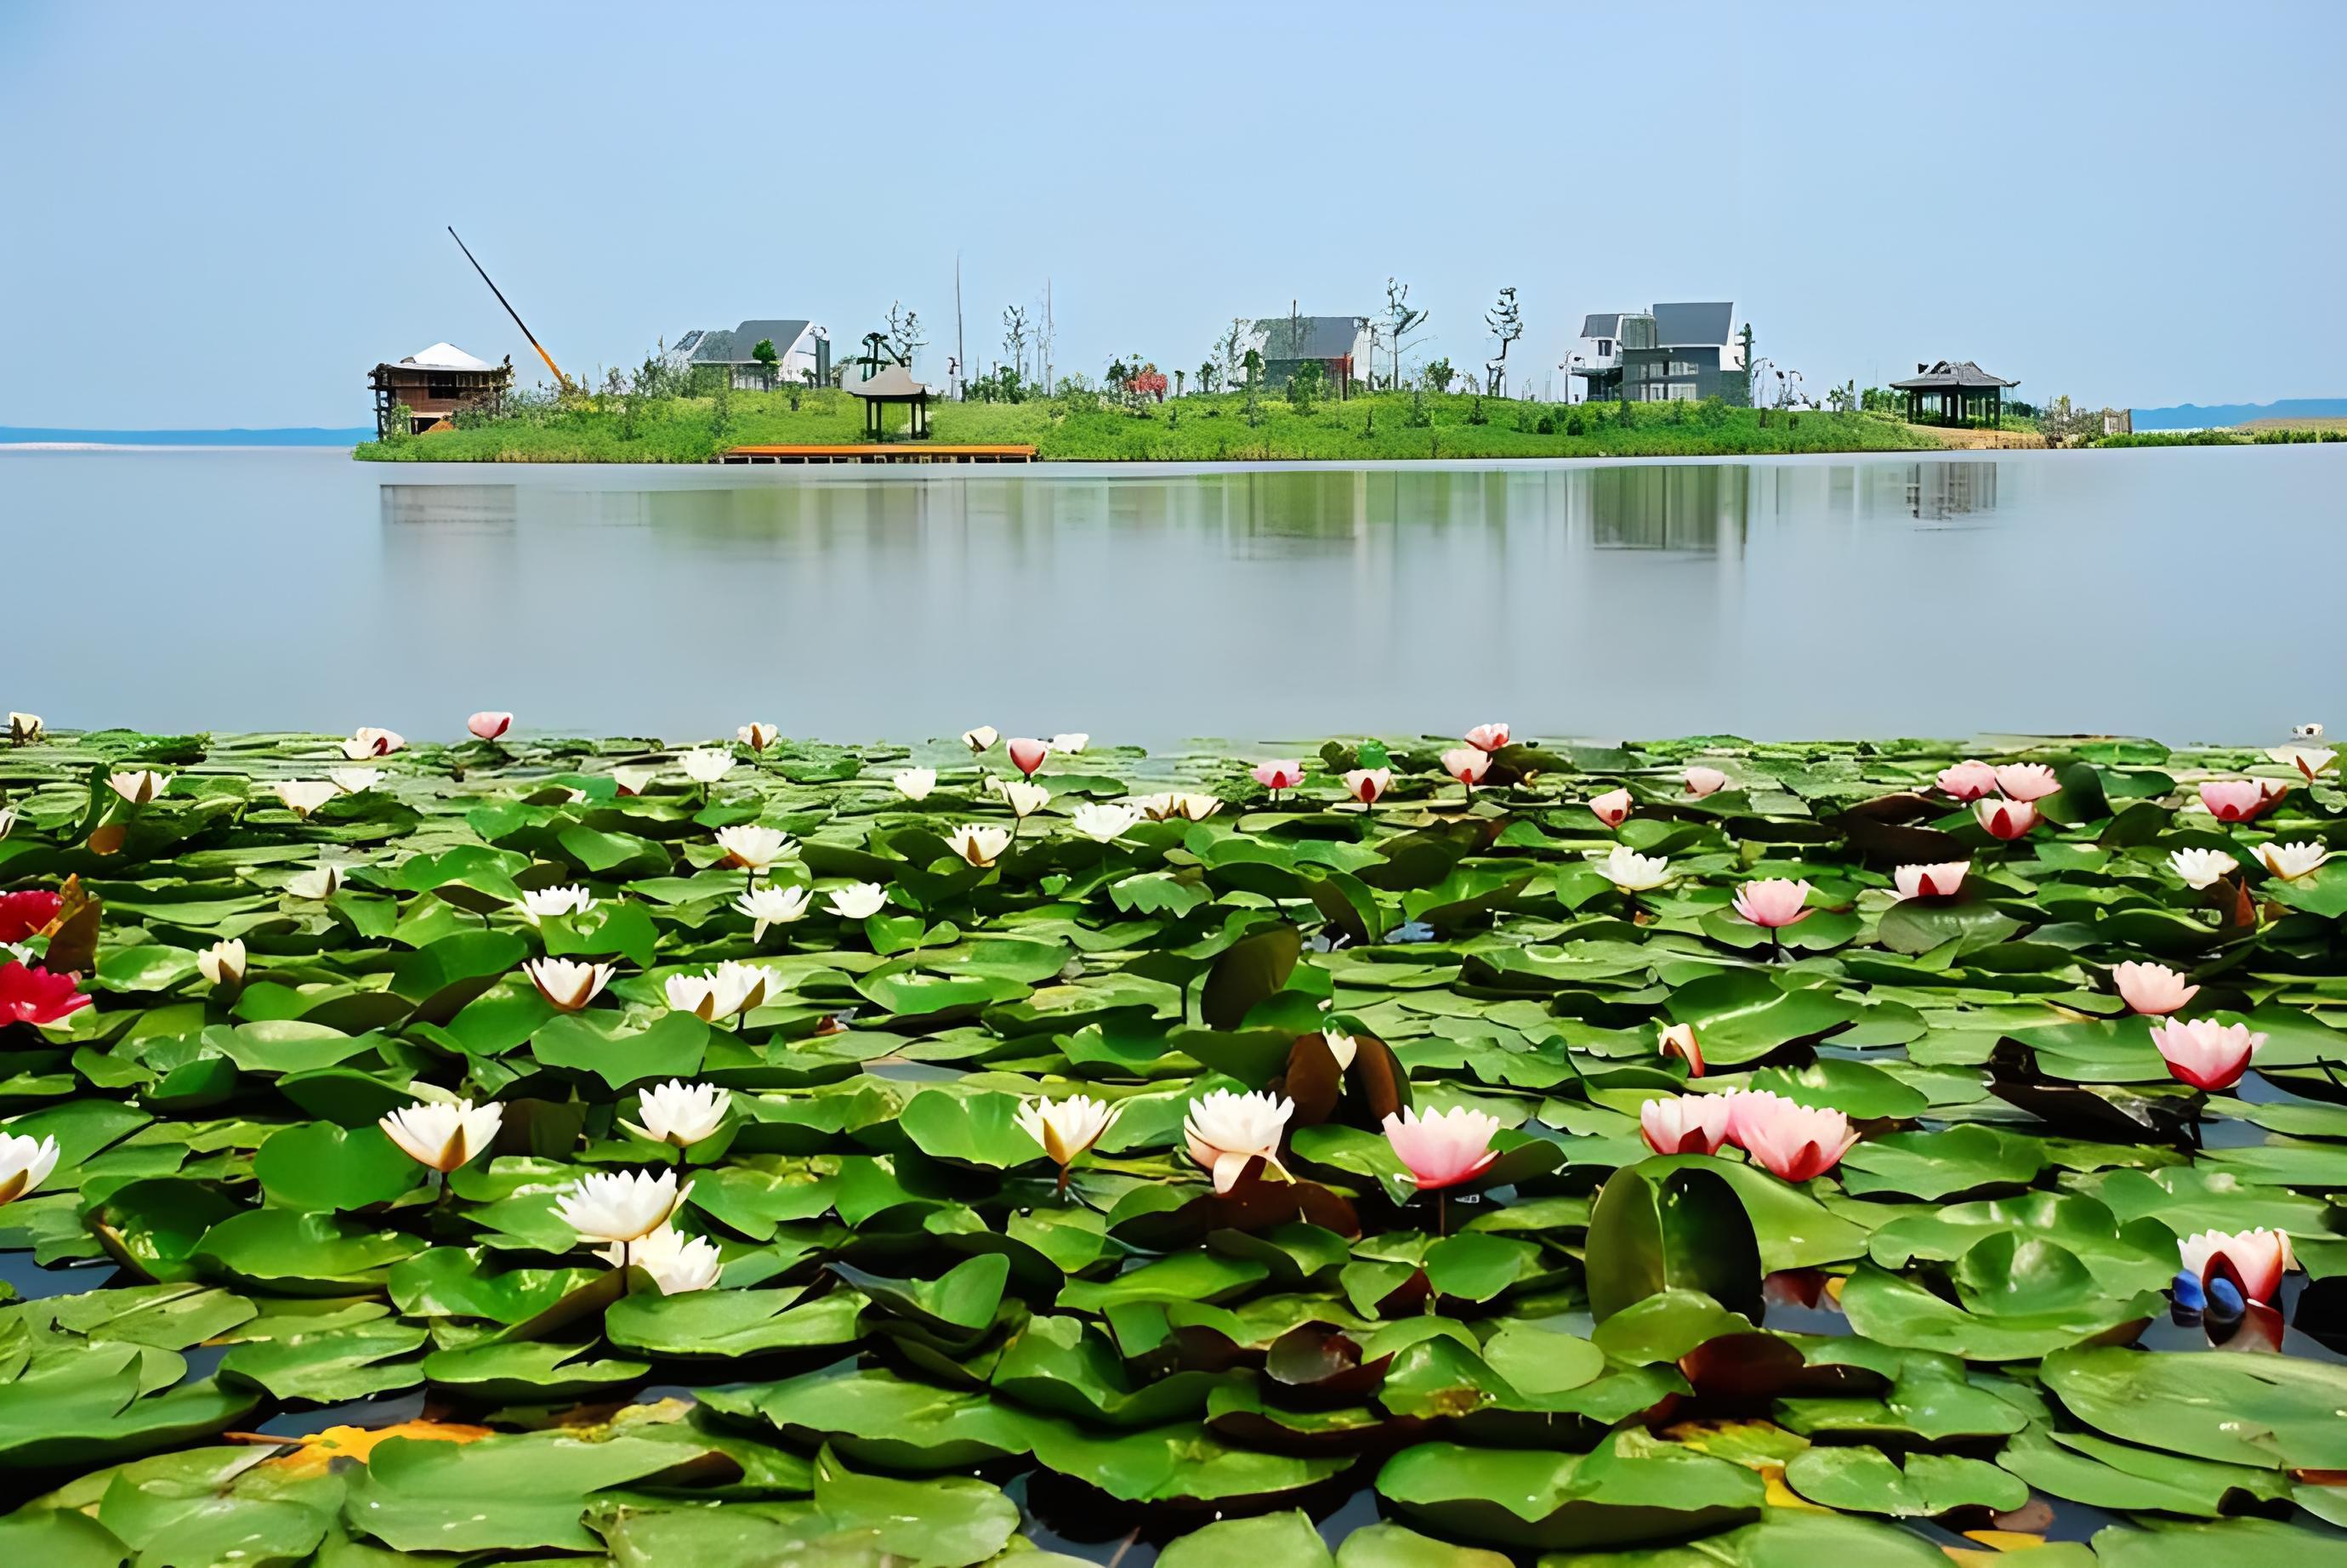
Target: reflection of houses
(1668,354)
(1339,346)
(1693,508)
(802,349)
(435,382)
(1954,392)
(1938,491)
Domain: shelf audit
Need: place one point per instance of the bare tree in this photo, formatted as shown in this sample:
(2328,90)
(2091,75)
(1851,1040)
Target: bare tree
(1015,329)
(1231,348)
(1507,324)
(1401,320)
(905,333)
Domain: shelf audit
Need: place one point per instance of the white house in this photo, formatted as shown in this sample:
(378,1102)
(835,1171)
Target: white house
(804,351)
(1667,352)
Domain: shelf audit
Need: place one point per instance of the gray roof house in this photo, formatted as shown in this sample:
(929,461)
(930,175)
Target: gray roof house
(1339,344)
(1668,352)
(801,346)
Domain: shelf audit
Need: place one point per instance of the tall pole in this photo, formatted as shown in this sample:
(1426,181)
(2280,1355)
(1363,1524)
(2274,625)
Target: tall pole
(560,380)
(961,363)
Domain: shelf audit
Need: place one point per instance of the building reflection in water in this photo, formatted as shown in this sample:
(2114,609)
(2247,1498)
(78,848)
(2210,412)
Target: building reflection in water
(1938,491)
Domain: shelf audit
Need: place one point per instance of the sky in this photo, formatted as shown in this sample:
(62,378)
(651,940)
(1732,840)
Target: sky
(224,215)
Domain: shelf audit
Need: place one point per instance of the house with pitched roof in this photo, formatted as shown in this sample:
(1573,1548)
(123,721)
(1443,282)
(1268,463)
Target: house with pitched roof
(1339,345)
(432,383)
(1954,392)
(803,350)
(1664,354)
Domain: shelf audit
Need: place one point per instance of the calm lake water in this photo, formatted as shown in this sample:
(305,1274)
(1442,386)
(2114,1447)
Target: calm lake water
(2185,593)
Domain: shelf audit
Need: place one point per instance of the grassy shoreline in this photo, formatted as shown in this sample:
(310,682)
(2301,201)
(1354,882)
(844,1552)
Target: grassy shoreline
(1197,428)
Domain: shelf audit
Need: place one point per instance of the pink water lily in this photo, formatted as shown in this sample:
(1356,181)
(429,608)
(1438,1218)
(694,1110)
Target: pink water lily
(1793,1142)
(1612,808)
(1773,902)
(1487,737)
(1678,1040)
(2026,781)
(1442,1148)
(1027,754)
(1937,881)
(489,726)
(2234,800)
(2254,1260)
(2205,1053)
(1368,785)
(2155,990)
(1686,1124)
(1969,779)
(1467,765)
(1284,772)
(1703,780)
(1742,1102)
(2006,819)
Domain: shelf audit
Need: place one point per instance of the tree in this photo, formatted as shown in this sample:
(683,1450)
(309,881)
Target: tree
(1438,374)
(1231,348)
(1206,377)
(1507,324)
(1253,363)
(1750,365)
(905,334)
(1015,328)
(767,359)
(1179,375)
(1304,386)
(1401,320)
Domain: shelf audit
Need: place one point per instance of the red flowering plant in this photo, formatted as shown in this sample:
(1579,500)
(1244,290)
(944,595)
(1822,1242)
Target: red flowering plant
(27,914)
(32,995)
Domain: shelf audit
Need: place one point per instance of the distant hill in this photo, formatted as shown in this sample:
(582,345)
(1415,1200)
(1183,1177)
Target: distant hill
(307,436)
(2193,416)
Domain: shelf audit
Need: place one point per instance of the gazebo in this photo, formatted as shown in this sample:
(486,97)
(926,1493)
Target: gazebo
(885,379)
(1952,392)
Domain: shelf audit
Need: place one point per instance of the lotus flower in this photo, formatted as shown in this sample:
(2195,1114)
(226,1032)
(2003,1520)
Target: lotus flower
(24,728)
(982,739)
(1938,881)
(1685,1125)
(2291,861)
(1025,799)
(1793,1142)
(1467,765)
(2253,1260)
(679,1112)
(629,781)
(489,726)
(1027,754)
(2202,867)
(1284,772)
(1073,743)
(1968,780)
(2026,781)
(2155,990)
(29,994)
(621,1205)
(676,1262)
(1188,807)
(368,741)
(1104,824)
(773,906)
(1678,1040)
(2006,819)
(1613,807)
(354,781)
(1703,780)
(1225,1130)
(27,914)
(722,992)
(858,900)
(756,736)
(980,845)
(544,903)
(1632,872)
(223,964)
(322,882)
(2233,800)
(1066,1128)
(1487,737)
(2205,1053)
(2311,762)
(25,1163)
(1442,1148)
(914,784)
(1758,1101)
(1368,785)
(1773,902)
(441,1134)
(706,766)
(1343,1047)
(755,847)
(139,786)
(568,985)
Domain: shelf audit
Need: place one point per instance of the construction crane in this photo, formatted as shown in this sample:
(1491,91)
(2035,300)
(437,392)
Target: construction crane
(560,380)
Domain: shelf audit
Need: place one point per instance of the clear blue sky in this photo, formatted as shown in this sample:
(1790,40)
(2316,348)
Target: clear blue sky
(223,215)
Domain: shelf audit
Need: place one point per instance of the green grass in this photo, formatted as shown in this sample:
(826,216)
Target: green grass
(1198,428)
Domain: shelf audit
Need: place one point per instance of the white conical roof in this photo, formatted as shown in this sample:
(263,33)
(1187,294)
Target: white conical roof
(445,356)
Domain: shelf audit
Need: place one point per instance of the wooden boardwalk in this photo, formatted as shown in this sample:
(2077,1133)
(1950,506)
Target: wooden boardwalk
(906,452)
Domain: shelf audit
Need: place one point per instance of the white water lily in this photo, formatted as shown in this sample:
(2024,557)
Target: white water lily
(25,1163)
(1066,1128)
(755,847)
(634,781)
(678,1263)
(1225,1130)
(2312,762)
(303,797)
(1632,872)
(8,821)
(1072,743)
(858,900)
(914,784)
(542,903)
(223,964)
(724,992)
(24,728)
(1343,1047)
(566,984)
(756,736)
(707,766)
(323,882)
(379,742)
(771,904)
(1189,808)
(444,1134)
(2203,867)
(679,1112)
(354,781)
(621,1205)
(1102,823)
(138,785)
(980,845)
(1025,799)
(2291,861)
(982,739)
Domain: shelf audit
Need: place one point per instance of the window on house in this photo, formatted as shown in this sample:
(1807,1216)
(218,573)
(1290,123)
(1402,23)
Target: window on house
(1604,347)
(1682,367)
(440,388)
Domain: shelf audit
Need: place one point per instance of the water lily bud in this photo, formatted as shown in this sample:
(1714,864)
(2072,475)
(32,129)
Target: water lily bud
(25,1163)
(1368,785)
(1028,754)
(489,726)
(1073,743)
(139,786)
(914,784)
(223,964)
(756,736)
(982,739)
(568,985)
(1612,808)
(1066,1128)
(1487,737)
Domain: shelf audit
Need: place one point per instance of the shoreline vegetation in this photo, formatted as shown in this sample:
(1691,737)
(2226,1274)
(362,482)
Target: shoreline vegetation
(785,1152)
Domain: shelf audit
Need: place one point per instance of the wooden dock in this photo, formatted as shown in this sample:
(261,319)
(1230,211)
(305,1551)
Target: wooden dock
(901,452)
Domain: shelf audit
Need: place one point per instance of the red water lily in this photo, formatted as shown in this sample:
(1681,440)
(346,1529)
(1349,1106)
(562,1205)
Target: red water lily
(31,995)
(23,914)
